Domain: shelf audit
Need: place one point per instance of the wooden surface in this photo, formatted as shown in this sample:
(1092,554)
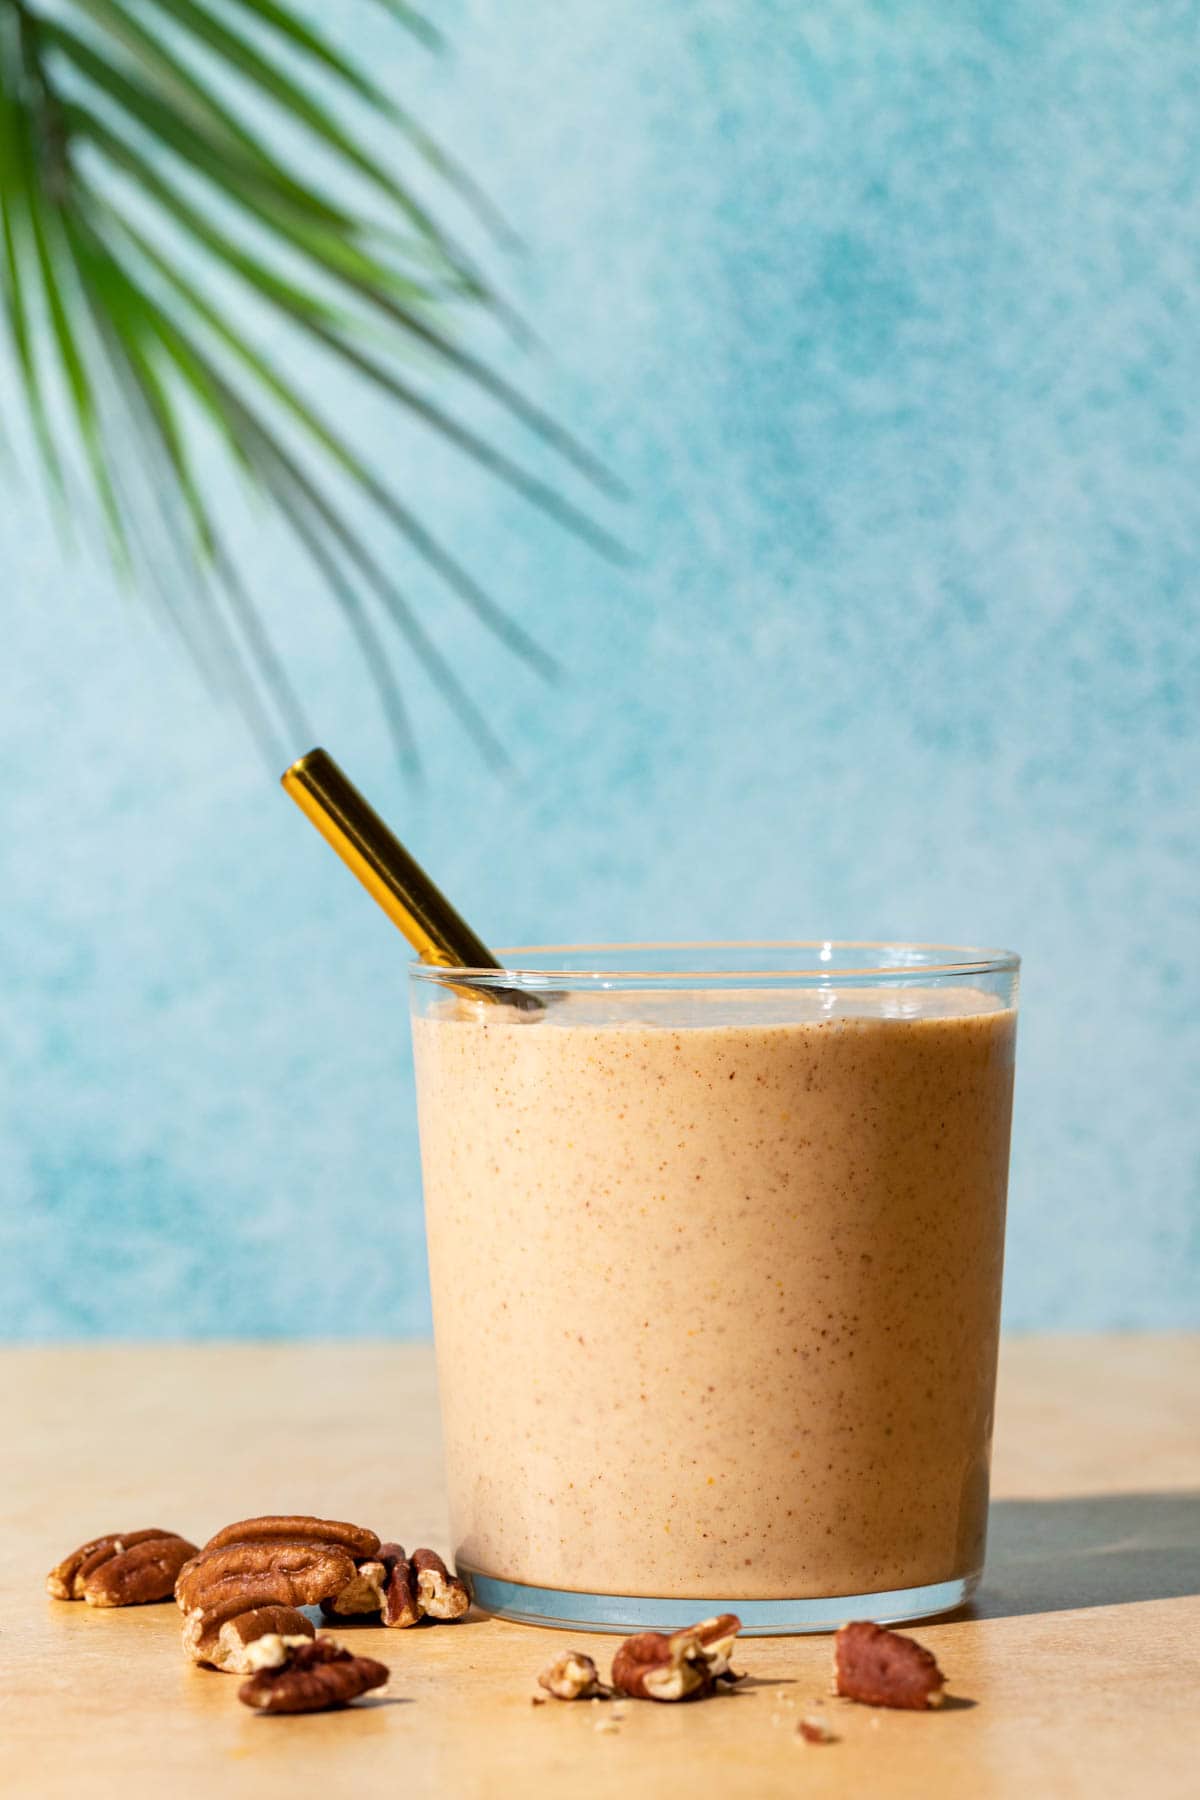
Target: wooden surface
(1078,1673)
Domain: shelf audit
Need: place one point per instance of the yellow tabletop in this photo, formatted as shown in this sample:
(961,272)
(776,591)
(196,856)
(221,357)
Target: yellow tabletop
(1077,1673)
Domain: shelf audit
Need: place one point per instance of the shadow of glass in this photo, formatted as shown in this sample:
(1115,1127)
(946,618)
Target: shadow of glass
(1094,1550)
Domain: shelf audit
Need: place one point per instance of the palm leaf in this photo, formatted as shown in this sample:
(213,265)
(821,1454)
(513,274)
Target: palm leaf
(134,130)
(240,56)
(43,229)
(348,261)
(327,326)
(15,202)
(262,454)
(415,21)
(324,57)
(200,629)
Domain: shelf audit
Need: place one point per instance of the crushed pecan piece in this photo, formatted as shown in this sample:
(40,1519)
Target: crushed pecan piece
(298,1528)
(884,1668)
(308,1677)
(126,1568)
(441,1595)
(223,1641)
(573,1677)
(685,1665)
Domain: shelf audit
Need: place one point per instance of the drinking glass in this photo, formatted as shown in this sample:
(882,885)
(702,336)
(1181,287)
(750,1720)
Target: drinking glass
(715,1242)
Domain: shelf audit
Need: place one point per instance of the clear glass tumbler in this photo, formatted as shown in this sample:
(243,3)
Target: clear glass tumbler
(715,1239)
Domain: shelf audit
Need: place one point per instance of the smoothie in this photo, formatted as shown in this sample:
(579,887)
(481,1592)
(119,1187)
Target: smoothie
(716,1283)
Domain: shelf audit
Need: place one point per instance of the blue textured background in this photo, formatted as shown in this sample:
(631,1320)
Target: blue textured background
(888,315)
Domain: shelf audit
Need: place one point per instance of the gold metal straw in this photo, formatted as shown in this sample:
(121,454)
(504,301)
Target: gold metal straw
(383,865)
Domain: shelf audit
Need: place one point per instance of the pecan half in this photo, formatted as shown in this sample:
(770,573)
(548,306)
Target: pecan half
(271,1573)
(682,1666)
(884,1668)
(226,1643)
(441,1595)
(128,1568)
(309,1677)
(401,1602)
(60,1582)
(573,1677)
(202,1625)
(298,1528)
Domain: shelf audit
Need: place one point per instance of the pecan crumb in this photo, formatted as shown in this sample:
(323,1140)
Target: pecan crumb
(686,1665)
(815,1731)
(272,1649)
(572,1677)
(304,1676)
(883,1668)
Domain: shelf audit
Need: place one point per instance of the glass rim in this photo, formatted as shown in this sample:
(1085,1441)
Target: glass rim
(946,960)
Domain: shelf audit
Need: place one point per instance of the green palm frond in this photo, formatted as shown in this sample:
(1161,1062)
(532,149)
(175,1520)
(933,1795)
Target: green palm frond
(140,194)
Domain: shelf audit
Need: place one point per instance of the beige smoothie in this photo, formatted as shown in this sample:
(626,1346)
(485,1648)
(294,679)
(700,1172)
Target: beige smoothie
(716,1283)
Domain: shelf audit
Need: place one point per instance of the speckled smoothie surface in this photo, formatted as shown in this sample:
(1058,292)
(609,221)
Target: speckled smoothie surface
(716,1286)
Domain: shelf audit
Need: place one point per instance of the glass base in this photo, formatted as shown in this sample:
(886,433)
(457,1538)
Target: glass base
(627,1613)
